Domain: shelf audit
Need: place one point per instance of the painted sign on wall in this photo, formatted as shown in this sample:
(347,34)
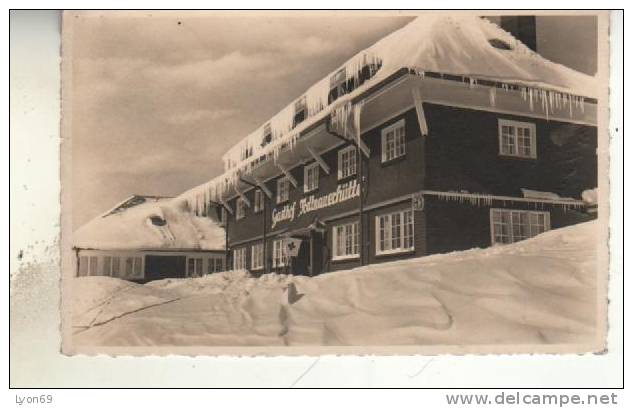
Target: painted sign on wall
(344,192)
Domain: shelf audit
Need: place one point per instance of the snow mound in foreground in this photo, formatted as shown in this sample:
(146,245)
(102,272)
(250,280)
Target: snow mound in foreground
(539,291)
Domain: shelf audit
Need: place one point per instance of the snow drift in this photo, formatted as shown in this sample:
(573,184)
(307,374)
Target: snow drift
(538,291)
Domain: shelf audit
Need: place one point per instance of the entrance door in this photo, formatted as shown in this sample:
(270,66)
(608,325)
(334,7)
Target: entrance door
(301,262)
(164,266)
(316,247)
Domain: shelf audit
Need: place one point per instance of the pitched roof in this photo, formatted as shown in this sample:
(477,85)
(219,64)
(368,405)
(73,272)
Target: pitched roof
(150,222)
(448,44)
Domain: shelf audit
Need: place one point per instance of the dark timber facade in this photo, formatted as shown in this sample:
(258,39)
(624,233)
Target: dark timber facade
(445,172)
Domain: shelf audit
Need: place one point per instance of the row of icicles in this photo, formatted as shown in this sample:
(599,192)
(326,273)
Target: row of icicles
(316,100)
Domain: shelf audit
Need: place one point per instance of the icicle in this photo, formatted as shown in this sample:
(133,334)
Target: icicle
(530,93)
(492,94)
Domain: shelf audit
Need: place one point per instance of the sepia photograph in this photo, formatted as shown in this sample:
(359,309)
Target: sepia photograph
(329,182)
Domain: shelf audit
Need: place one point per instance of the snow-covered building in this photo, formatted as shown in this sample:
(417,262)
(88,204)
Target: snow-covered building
(145,238)
(445,135)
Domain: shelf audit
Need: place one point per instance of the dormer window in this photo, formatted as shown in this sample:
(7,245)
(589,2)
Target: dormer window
(338,85)
(300,111)
(247,151)
(500,44)
(158,220)
(267,136)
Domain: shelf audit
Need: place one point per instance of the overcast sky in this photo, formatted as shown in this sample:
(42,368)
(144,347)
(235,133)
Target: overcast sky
(159,97)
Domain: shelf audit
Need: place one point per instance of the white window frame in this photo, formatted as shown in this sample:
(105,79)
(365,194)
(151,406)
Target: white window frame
(283,181)
(531,214)
(403,235)
(213,263)
(257,256)
(338,80)
(301,105)
(240,208)
(93,267)
(136,260)
(198,265)
(353,155)
(516,125)
(307,186)
(399,141)
(83,268)
(239,258)
(258,201)
(110,271)
(341,232)
(280,259)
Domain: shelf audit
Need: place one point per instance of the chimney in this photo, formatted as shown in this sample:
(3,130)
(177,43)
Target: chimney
(522,27)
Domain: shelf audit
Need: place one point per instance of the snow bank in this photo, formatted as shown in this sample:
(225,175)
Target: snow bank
(538,291)
(132,228)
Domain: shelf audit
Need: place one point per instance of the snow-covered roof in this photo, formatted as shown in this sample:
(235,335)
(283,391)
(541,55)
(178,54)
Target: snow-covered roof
(447,44)
(149,222)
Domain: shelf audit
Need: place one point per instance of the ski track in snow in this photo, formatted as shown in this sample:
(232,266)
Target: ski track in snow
(538,291)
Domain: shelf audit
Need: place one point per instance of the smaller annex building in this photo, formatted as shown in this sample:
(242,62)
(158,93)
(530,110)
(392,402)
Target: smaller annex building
(146,238)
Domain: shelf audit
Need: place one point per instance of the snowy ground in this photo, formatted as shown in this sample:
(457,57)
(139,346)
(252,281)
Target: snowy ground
(541,290)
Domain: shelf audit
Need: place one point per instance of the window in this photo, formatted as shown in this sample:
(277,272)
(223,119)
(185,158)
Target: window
(194,267)
(258,206)
(110,266)
(508,226)
(240,209)
(83,266)
(158,220)
(257,256)
(283,190)
(221,215)
(499,44)
(268,135)
(345,241)
(394,232)
(133,268)
(106,266)
(116,267)
(93,266)
(393,141)
(239,258)
(300,111)
(517,139)
(214,265)
(346,162)
(246,151)
(338,85)
(310,177)
(279,254)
